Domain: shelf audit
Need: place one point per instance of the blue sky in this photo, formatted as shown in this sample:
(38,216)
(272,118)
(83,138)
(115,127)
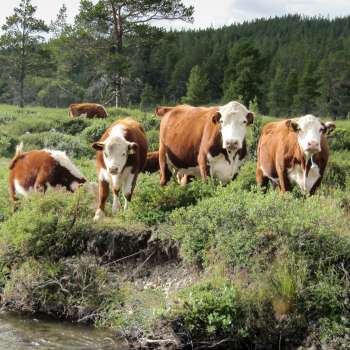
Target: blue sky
(207,12)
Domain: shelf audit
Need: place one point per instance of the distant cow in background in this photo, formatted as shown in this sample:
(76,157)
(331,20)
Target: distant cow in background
(121,155)
(293,151)
(36,170)
(202,141)
(89,110)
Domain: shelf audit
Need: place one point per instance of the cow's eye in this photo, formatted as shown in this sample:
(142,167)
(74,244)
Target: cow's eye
(124,154)
(244,122)
(322,130)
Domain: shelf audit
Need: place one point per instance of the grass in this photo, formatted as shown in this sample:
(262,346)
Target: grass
(266,270)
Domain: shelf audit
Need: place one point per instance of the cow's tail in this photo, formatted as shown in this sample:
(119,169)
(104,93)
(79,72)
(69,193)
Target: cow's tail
(19,151)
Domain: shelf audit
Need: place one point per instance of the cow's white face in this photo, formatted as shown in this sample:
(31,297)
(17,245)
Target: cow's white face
(234,119)
(116,150)
(310,129)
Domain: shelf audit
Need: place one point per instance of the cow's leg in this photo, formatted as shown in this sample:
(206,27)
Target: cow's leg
(42,180)
(103,191)
(116,181)
(283,179)
(261,180)
(116,201)
(163,167)
(202,162)
(315,186)
(128,186)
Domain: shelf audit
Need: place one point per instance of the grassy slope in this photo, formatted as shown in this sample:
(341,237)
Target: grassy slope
(269,264)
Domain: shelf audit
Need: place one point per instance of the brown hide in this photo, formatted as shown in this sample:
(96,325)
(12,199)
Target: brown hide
(187,135)
(37,169)
(152,162)
(91,110)
(279,150)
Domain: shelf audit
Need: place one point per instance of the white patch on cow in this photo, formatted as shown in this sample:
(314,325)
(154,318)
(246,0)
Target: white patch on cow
(298,176)
(275,180)
(65,162)
(233,125)
(20,189)
(74,185)
(116,149)
(221,169)
(83,115)
(191,171)
(99,214)
(309,134)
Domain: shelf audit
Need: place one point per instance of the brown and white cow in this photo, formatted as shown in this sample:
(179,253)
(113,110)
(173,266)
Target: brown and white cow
(36,170)
(152,162)
(89,110)
(197,141)
(293,152)
(121,155)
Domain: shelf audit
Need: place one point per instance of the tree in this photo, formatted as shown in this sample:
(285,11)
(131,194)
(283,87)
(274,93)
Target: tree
(197,87)
(58,26)
(243,73)
(277,95)
(291,90)
(308,90)
(21,41)
(128,18)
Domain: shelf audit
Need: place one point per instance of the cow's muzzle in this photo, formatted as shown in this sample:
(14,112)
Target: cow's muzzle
(231,145)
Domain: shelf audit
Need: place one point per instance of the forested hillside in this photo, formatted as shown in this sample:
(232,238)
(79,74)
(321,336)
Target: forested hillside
(291,65)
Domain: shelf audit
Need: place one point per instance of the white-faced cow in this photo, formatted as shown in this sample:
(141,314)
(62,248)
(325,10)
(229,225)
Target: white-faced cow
(36,170)
(293,152)
(121,155)
(201,141)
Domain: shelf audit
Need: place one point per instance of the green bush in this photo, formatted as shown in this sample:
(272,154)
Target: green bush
(94,132)
(54,225)
(73,126)
(7,145)
(340,140)
(151,204)
(72,145)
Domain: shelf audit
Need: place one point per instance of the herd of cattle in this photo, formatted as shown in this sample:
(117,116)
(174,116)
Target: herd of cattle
(193,142)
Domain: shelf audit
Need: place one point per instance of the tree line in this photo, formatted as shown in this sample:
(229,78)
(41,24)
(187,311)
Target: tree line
(114,54)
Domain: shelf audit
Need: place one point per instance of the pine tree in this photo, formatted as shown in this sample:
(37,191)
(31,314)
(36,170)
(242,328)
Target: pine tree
(277,95)
(291,90)
(243,73)
(21,38)
(197,87)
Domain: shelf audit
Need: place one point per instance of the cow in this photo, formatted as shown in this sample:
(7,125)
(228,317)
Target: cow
(197,141)
(152,162)
(293,152)
(120,157)
(89,110)
(36,170)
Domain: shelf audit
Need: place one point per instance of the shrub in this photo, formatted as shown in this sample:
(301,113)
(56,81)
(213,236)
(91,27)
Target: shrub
(73,126)
(151,204)
(54,224)
(340,140)
(94,132)
(7,145)
(73,146)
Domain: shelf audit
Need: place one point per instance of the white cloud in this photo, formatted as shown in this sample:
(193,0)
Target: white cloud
(207,12)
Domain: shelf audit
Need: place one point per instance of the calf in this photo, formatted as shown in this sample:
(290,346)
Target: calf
(197,141)
(89,110)
(121,155)
(36,170)
(293,151)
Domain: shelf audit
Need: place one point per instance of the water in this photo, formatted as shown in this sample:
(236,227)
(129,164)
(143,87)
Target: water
(18,332)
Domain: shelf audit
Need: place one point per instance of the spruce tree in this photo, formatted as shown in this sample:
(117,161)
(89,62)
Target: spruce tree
(277,96)
(291,90)
(197,87)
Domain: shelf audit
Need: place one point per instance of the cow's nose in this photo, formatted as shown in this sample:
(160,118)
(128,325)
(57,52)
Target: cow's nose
(231,144)
(114,170)
(313,145)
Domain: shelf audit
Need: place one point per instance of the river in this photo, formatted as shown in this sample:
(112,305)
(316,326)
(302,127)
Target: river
(18,332)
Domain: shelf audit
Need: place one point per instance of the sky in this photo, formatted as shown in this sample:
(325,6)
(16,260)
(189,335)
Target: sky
(208,13)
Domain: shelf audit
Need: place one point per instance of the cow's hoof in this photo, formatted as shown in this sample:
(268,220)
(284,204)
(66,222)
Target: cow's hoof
(99,215)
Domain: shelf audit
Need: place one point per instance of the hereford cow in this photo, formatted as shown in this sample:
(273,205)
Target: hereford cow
(152,162)
(121,155)
(89,110)
(293,151)
(197,141)
(36,170)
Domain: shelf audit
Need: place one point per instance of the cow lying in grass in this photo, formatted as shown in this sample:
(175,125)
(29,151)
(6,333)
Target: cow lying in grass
(293,152)
(121,155)
(36,170)
(88,110)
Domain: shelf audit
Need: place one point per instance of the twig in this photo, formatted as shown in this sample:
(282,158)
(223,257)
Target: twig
(125,257)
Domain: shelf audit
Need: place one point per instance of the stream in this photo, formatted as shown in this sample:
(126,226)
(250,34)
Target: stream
(18,332)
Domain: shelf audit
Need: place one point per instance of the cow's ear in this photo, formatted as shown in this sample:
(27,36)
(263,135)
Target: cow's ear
(292,125)
(98,146)
(250,118)
(330,126)
(216,118)
(132,147)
